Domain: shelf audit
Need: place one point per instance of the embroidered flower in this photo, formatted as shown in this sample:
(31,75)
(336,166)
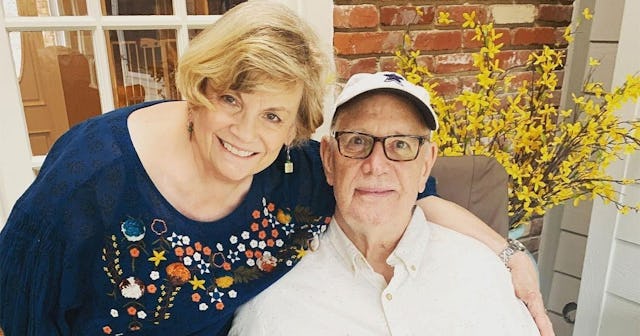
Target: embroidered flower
(114,313)
(195,297)
(158,256)
(232,294)
(203,267)
(134,252)
(133,229)
(233,256)
(177,274)
(197,283)
(131,288)
(151,289)
(142,315)
(283,217)
(224,282)
(203,306)
(159,227)
(267,262)
(154,275)
(107,330)
(216,295)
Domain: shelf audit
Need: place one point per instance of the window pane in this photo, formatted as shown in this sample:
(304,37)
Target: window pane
(44,7)
(57,78)
(210,7)
(137,7)
(193,33)
(143,65)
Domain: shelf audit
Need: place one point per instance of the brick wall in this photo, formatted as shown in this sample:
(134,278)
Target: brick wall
(367,32)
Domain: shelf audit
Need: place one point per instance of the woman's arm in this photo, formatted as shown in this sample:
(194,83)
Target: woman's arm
(523,271)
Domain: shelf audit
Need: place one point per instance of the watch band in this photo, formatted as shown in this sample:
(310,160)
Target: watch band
(513,246)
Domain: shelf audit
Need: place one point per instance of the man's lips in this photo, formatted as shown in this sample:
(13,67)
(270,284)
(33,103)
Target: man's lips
(374,191)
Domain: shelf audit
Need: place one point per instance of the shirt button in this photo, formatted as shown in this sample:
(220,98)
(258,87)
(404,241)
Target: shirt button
(389,296)
(413,267)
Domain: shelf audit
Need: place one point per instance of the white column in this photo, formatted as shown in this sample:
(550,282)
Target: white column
(15,152)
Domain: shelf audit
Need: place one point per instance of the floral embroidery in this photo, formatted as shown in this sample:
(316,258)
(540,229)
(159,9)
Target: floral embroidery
(210,274)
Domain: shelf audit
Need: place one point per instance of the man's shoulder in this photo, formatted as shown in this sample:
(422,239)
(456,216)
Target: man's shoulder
(459,248)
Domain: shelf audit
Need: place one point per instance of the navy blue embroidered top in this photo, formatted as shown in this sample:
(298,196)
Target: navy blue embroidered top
(93,248)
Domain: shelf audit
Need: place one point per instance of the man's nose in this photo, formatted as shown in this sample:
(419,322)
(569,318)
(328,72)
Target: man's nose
(377,163)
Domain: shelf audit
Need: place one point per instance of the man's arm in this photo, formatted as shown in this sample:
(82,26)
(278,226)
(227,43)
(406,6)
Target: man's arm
(523,271)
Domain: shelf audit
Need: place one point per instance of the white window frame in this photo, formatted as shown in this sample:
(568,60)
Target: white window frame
(16,161)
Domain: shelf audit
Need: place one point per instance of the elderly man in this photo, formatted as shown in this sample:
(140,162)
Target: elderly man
(381,268)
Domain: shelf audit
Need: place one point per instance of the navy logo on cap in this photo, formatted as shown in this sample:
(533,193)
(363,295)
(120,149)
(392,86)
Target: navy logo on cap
(394,78)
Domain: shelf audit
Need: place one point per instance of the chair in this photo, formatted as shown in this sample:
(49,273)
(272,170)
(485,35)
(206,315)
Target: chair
(477,183)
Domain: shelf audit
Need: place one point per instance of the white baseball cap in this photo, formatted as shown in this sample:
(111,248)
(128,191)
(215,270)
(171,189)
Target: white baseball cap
(389,82)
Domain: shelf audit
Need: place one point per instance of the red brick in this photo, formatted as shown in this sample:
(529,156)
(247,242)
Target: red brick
(555,13)
(456,11)
(468,83)
(519,79)
(437,40)
(560,40)
(366,42)
(447,86)
(532,36)
(388,63)
(513,58)
(452,63)
(355,16)
(404,15)
(469,43)
(347,68)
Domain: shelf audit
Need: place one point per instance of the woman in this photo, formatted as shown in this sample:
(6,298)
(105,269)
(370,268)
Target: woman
(164,217)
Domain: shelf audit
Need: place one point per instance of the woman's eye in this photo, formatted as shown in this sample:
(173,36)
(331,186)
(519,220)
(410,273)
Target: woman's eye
(357,140)
(273,117)
(229,99)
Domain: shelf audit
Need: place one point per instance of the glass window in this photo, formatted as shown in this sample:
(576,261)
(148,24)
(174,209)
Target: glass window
(57,81)
(137,7)
(143,65)
(210,7)
(44,7)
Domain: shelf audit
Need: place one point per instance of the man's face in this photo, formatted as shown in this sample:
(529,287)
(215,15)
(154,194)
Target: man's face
(376,190)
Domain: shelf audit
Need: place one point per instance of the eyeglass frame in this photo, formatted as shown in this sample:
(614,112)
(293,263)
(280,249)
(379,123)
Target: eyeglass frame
(422,139)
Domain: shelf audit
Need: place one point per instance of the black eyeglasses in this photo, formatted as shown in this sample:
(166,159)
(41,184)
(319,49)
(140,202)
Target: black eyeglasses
(356,145)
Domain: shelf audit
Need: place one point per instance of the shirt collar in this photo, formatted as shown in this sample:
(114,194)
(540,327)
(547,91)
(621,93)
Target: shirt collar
(412,245)
(409,252)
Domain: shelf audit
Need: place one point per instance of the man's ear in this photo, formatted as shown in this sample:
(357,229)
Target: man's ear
(326,154)
(430,157)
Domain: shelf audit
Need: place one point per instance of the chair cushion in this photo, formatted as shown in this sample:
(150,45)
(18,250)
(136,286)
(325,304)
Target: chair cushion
(477,183)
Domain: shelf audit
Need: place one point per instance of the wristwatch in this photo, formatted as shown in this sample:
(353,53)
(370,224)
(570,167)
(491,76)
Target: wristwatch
(511,249)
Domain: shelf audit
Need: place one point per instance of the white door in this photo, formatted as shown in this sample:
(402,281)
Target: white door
(609,299)
(123,51)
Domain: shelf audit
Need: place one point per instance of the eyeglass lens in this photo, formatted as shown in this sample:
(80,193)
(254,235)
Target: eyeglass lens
(396,147)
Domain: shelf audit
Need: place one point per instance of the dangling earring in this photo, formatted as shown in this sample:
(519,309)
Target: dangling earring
(190,126)
(288,165)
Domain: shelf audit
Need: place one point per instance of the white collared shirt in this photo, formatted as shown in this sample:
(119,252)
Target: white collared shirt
(444,283)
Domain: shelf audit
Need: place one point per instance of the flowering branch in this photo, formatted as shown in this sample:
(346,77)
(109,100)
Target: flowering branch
(551,155)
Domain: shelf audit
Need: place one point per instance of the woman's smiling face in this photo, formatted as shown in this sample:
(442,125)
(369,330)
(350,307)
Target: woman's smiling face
(243,135)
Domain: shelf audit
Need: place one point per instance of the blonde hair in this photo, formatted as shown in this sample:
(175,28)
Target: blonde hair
(252,47)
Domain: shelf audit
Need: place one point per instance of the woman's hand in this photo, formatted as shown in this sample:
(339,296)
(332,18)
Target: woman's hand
(525,282)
